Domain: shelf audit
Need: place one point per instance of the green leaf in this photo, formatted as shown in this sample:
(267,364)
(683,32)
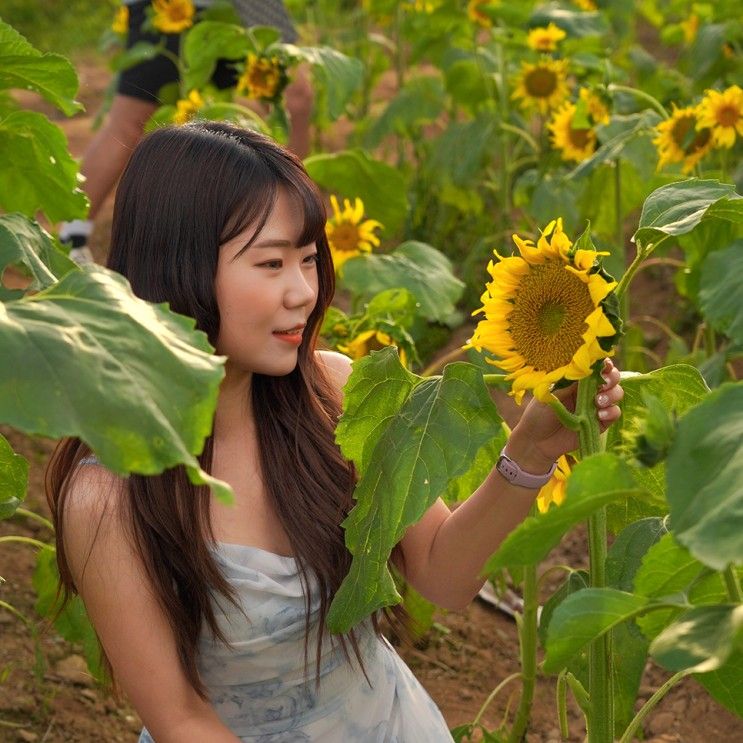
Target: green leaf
(340,76)
(577,580)
(704,472)
(13,479)
(585,616)
(678,208)
(574,22)
(421,269)
(353,173)
(429,445)
(593,483)
(725,684)
(37,172)
(678,387)
(207,42)
(142,51)
(72,623)
(90,348)
(26,68)
(700,639)
(721,290)
(24,243)
(628,551)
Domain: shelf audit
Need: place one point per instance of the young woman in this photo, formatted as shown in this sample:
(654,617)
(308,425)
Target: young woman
(210,616)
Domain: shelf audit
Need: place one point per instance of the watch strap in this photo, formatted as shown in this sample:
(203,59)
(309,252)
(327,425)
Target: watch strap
(516,476)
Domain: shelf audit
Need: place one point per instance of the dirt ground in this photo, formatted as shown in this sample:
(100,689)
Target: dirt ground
(466,655)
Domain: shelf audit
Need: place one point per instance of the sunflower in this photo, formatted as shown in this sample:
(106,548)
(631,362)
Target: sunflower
(120,23)
(348,236)
(545,311)
(477,14)
(554,490)
(172,16)
(588,5)
(542,85)
(679,141)
(545,38)
(577,142)
(596,108)
(723,114)
(264,77)
(186,108)
(690,27)
(371,340)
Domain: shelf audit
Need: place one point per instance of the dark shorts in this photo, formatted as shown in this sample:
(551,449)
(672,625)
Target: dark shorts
(144,80)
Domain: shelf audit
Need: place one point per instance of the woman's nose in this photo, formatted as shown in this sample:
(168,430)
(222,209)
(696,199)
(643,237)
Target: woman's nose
(301,289)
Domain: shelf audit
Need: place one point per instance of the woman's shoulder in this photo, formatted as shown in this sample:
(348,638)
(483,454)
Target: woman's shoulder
(337,367)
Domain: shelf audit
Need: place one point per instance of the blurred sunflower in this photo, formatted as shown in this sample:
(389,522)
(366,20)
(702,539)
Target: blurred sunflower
(347,235)
(723,114)
(542,85)
(545,311)
(172,16)
(264,78)
(588,5)
(545,38)
(596,108)
(371,340)
(421,6)
(554,490)
(120,23)
(679,141)
(575,143)
(186,108)
(476,12)
(690,27)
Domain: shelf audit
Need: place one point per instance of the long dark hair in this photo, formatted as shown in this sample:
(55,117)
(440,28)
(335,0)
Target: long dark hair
(186,191)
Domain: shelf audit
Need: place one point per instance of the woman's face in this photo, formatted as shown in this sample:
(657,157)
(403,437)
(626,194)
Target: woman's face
(266,293)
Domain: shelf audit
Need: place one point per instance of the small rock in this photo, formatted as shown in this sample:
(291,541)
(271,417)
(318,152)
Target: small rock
(466,694)
(27,736)
(75,670)
(661,723)
(680,706)
(89,694)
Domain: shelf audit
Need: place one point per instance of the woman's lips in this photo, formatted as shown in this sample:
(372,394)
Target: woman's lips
(292,335)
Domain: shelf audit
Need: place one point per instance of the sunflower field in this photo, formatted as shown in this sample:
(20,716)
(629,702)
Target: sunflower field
(515,191)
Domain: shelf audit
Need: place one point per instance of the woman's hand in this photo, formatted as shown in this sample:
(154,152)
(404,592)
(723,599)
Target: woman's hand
(539,438)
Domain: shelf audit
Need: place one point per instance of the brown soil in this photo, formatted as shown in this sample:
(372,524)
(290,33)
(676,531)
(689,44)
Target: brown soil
(464,657)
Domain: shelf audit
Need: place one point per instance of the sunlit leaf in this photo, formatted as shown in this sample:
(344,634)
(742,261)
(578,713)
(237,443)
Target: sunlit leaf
(13,479)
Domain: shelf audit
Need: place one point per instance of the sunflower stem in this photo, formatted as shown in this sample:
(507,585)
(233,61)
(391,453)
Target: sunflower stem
(528,647)
(568,419)
(643,251)
(732,585)
(624,299)
(641,94)
(494,380)
(600,691)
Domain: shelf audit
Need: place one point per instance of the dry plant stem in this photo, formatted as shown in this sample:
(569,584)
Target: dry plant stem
(600,686)
(528,645)
(630,733)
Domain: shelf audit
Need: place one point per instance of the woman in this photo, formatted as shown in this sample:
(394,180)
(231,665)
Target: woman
(210,615)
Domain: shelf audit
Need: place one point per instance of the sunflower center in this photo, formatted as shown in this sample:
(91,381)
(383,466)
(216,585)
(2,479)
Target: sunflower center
(549,316)
(727,115)
(580,138)
(346,237)
(541,82)
(700,141)
(681,129)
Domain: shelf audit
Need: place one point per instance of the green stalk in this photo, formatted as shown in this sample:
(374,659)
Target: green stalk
(505,150)
(600,682)
(629,733)
(528,645)
(643,251)
(492,696)
(24,540)
(624,299)
(641,94)
(561,698)
(732,585)
(34,517)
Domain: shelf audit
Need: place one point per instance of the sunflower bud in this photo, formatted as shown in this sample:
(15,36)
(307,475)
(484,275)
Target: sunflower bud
(650,438)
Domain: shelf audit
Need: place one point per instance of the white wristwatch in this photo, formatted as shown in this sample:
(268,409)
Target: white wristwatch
(516,476)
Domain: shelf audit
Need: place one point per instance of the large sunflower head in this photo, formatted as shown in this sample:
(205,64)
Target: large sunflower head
(554,490)
(595,106)
(120,23)
(371,340)
(172,16)
(543,85)
(723,114)
(678,139)
(348,235)
(264,78)
(575,143)
(548,314)
(186,109)
(545,38)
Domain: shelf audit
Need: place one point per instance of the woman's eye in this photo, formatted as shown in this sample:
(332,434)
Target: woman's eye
(270,264)
(312,258)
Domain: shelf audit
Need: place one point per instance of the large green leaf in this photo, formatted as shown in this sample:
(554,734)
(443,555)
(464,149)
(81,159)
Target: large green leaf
(721,290)
(628,551)
(37,172)
(131,379)
(574,22)
(678,387)
(701,638)
(207,42)
(26,68)
(585,616)
(25,244)
(593,483)
(430,444)
(679,207)
(704,472)
(422,270)
(341,76)
(725,684)
(72,622)
(353,173)
(13,479)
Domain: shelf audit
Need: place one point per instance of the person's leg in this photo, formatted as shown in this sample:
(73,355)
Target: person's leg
(298,98)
